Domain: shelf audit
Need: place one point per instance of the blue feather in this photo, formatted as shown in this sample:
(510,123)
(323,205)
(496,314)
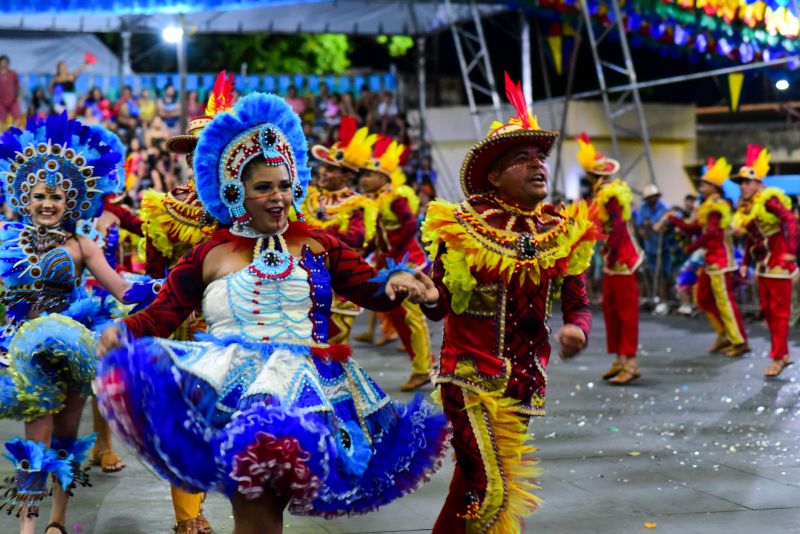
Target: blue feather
(24,449)
(253,110)
(59,467)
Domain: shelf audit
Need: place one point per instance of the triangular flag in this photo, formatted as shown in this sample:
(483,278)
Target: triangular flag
(555,49)
(735,82)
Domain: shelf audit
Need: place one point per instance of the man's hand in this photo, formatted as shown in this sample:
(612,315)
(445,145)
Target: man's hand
(572,341)
(430,295)
(404,285)
(109,340)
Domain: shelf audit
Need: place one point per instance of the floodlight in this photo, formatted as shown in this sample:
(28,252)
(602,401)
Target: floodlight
(782,85)
(172,34)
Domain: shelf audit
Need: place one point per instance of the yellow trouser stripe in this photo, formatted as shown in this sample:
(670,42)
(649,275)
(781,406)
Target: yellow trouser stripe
(720,290)
(345,324)
(186,505)
(420,338)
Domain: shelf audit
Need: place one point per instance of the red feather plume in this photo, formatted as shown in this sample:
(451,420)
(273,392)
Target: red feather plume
(379,149)
(347,129)
(222,96)
(752,154)
(710,163)
(517,98)
(584,137)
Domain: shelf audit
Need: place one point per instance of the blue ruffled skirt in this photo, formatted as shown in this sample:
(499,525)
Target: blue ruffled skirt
(47,357)
(232,416)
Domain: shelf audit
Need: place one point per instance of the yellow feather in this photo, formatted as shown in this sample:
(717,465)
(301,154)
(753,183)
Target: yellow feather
(761,164)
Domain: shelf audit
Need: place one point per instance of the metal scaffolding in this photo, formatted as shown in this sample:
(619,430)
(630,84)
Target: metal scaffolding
(629,100)
(476,70)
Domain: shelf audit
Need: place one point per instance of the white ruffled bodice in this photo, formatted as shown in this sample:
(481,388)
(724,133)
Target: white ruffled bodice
(260,309)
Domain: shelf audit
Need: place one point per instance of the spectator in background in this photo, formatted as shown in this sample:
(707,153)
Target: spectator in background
(425,173)
(156,134)
(365,108)
(127,112)
(40,106)
(97,104)
(348,106)
(62,88)
(333,114)
(194,108)
(655,243)
(311,135)
(322,99)
(387,110)
(147,108)
(294,100)
(169,107)
(9,93)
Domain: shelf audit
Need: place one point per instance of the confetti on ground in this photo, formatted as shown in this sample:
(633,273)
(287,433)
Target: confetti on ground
(649,525)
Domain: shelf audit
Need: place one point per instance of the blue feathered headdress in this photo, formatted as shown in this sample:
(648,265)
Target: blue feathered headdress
(260,124)
(82,160)
(117,146)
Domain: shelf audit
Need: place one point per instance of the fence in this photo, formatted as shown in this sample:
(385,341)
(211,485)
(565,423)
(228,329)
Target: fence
(204,82)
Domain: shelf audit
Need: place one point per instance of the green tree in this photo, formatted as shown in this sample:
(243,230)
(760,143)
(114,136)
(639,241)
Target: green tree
(397,45)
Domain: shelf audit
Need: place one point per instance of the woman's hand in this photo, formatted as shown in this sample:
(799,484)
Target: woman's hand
(572,340)
(109,340)
(404,285)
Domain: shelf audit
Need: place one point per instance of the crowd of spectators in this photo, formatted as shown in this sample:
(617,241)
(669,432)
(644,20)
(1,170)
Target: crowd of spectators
(144,120)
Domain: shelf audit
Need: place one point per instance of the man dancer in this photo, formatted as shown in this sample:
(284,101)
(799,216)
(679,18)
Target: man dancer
(501,257)
(714,288)
(621,258)
(383,182)
(339,210)
(765,218)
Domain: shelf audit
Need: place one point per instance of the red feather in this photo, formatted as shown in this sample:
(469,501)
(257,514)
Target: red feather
(752,154)
(517,98)
(584,137)
(379,149)
(404,156)
(711,162)
(347,130)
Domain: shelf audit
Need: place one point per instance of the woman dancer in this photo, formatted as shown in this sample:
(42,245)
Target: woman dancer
(264,409)
(56,173)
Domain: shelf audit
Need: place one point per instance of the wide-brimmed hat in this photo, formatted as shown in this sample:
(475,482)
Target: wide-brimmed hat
(756,164)
(220,100)
(521,130)
(353,149)
(594,161)
(716,171)
(650,190)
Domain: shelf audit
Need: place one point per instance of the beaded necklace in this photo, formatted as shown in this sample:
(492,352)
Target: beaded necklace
(35,241)
(274,262)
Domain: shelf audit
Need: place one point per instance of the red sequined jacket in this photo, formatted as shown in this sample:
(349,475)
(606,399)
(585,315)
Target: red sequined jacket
(621,252)
(770,234)
(497,338)
(713,227)
(396,229)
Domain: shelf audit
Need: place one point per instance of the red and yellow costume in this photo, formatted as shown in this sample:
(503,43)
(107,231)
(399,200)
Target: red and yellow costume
(714,288)
(343,213)
(621,252)
(394,237)
(499,269)
(770,230)
(174,222)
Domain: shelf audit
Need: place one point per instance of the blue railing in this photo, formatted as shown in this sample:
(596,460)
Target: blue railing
(201,82)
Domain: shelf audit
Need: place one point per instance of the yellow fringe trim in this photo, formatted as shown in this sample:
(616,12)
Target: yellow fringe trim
(339,215)
(616,189)
(712,205)
(757,209)
(165,231)
(506,449)
(466,254)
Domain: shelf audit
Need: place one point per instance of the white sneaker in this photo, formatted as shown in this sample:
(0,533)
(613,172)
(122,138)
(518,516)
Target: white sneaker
(684,309)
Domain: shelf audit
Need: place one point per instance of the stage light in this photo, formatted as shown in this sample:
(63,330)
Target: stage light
(781,85)
(172,34)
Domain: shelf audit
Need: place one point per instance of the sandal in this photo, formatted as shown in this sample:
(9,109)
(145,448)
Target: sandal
(719,345)
(734,351)
(108,461)
(776,367)
(628,374)
(415,380)
(203,526)
(56,525)
(615,369)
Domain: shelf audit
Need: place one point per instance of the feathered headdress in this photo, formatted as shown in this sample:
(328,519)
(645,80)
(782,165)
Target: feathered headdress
(220,101)
(520,130)
(592,160)
(387,158)
(259,125)
(63,153)
(756,164)
(353,149)
(716,171)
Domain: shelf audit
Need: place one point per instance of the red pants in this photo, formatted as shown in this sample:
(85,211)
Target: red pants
(714,295)
(621,313)
(775,299)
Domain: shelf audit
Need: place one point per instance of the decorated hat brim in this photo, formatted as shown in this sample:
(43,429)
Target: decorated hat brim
(744,174)
(181,144)
(481,157)
(606,167)
(322,153)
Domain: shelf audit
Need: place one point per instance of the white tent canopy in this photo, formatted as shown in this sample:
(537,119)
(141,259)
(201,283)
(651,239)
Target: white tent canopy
(40,53)
(354,17)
